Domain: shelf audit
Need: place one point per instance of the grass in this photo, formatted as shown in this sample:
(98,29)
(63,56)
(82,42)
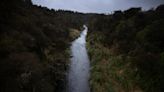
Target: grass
(109,73)
(74,33)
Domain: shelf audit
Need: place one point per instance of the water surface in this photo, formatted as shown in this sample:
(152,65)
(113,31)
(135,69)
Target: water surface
(78,77)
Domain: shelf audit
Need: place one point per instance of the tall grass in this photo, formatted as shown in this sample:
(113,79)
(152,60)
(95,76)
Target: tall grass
(109,73)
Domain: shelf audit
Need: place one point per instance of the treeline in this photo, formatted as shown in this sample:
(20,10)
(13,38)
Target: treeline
(34,46)
(127,51)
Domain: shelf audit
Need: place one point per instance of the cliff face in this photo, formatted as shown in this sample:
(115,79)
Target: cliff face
(34,47)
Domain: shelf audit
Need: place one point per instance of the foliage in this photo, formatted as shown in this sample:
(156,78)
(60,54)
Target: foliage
(34,44)
(131,50)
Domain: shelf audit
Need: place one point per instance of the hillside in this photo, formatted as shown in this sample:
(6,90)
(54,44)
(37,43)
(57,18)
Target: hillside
(34,46)
(126,48)
(127,51)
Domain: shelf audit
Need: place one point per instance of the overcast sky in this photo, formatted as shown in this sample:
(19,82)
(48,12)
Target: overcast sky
(98,6)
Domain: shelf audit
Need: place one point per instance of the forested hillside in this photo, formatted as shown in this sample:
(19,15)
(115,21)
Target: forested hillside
(127,51)
(34,46)
(126,48)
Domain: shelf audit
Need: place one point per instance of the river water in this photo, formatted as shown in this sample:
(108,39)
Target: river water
(78,77)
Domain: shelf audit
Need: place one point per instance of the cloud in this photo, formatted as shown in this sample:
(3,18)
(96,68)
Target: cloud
(98,6)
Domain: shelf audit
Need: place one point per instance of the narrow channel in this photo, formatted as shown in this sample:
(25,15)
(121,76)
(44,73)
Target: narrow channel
(78,77)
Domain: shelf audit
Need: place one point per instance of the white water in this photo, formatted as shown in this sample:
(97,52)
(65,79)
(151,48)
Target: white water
(78,77)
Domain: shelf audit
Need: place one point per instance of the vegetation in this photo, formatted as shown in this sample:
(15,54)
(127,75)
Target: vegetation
(126,48)
(126,51)
(34,44)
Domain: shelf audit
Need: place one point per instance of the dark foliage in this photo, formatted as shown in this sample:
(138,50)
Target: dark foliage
(137,35)
(33,46)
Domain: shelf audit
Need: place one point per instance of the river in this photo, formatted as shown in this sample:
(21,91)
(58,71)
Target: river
(78,76)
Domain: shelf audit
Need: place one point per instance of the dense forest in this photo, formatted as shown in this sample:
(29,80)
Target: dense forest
(126,48)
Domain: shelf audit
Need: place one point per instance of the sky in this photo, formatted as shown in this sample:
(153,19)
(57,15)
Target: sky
(97,6)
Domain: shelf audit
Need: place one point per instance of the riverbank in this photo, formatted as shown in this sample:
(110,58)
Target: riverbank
(34,47)
(126,51)
(109,73)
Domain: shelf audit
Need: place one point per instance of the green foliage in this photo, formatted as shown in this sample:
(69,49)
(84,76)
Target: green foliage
(34,44)
(152,36)
(126,48)
(134,42)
